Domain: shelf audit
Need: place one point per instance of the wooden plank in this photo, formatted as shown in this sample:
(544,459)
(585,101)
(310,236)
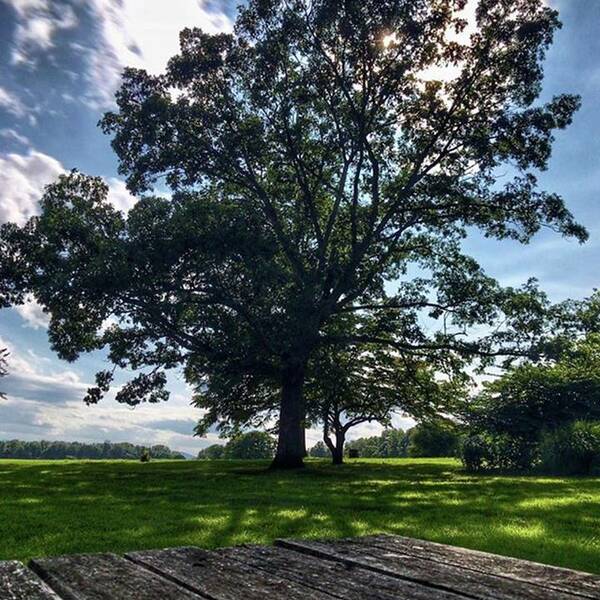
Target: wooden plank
(481,586)
(339,580)
(17,582)
(106,577)
(220,578)
(550,577)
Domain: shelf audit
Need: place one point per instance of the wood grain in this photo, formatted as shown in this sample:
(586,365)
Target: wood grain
(550,577)
(17,582)
(340,580)
(481,586)
(106,577)
(220,578)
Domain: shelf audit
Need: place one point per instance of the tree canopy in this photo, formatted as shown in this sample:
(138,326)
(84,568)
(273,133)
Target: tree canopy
(212,452)
(434,437)
(251,445)
(314,156)
(533,397)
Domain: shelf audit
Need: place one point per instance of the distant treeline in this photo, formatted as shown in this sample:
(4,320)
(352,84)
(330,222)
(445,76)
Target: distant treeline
(105,450)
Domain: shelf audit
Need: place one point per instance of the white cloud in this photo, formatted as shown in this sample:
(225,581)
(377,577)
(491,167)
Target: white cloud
(33,315)
(29,378)
(46,403)
(137,33)
(118,194)
(24,176)
(11,103)
(38,22)
(14,136)
(22,181)
(143,35)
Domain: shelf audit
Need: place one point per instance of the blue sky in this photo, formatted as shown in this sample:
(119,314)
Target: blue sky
(59,66)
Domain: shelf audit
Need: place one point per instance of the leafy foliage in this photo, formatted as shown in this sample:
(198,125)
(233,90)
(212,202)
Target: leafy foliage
(354,385)
(313,159)
(252,445)
(434,437)
(319,450)
(542,396)
(212,452)
(502,452)
(573,449)
(474,452)
(511,415)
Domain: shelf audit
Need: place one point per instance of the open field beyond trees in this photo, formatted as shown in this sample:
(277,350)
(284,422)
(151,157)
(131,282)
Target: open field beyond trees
(58,507)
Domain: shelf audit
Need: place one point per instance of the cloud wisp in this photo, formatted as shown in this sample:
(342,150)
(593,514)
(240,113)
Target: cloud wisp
(23,178)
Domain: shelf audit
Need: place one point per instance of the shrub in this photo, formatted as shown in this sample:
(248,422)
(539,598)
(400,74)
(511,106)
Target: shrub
(512,453)
(573,449)
(474,452)
(145,456)
(500,451)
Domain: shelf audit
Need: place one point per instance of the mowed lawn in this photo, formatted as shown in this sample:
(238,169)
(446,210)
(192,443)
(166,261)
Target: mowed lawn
(57,507)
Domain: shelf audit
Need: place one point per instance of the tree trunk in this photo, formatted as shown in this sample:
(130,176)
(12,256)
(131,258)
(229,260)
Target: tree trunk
(291,444)
(338,455)
(337,450)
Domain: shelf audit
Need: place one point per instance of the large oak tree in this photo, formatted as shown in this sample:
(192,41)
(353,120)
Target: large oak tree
(315,155)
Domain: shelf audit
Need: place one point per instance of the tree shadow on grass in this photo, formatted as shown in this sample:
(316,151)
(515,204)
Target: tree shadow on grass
(49,509)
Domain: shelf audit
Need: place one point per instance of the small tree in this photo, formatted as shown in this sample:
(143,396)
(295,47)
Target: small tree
(393,443)
(432,438)
(347,387)
(212,452)
(319,450)
(252,445)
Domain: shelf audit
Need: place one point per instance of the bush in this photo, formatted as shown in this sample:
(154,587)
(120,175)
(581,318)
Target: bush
(510,453)
(145,456)
(500,452)
(474,452)
(573,449)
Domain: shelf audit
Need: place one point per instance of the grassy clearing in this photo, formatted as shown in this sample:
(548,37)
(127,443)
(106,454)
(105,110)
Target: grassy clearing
(56,507)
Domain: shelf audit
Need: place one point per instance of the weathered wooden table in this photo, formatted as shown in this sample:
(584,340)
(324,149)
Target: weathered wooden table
(375,567)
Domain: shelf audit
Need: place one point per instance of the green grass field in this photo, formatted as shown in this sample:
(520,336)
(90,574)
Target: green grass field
(57,507)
